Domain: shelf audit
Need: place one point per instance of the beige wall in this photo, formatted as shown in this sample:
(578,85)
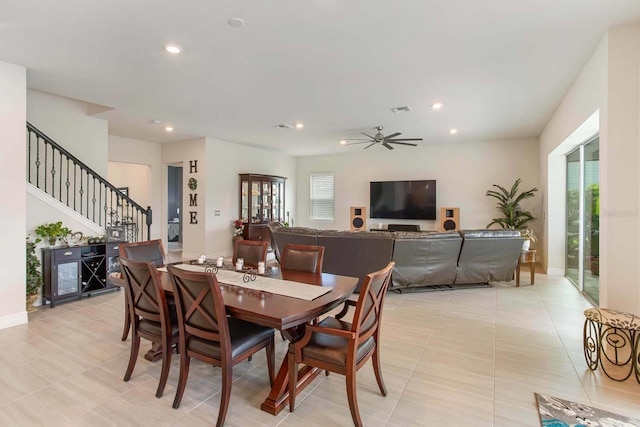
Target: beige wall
(463,171)
(609,85)
(67,122)
(13,115)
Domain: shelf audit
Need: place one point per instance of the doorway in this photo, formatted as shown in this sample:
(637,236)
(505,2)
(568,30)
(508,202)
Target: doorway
(174,207)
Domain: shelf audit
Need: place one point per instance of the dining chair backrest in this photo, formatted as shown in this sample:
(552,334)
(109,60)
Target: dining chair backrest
(252,251)
(302,258)
(149,250)
(200,308)
(144,292)
(367,317)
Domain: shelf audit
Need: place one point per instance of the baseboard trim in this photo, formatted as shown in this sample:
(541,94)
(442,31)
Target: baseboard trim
(555,271)
(15,319)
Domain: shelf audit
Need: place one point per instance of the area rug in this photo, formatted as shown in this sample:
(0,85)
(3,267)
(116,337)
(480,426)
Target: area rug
(556,412)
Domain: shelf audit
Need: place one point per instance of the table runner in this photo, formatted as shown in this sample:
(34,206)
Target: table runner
(266,284)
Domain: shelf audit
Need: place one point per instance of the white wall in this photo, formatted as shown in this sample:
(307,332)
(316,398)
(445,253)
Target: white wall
(66,121)
(463,171)
(225,161)
(13,116)
(130,156)
(609,83)
(586,97)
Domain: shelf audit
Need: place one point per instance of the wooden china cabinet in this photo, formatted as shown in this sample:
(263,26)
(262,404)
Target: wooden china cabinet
(261,201)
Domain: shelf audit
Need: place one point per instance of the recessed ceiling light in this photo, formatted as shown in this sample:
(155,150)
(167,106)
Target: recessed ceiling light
(299,125)
(453,131)
(236,22)
(173,49)
(169,129)
(343,142)
(437,105)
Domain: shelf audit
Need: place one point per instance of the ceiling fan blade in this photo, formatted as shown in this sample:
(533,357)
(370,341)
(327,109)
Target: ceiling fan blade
(387,145)
(404,139)
(373,143)
(365,134)
(359,142)
(402,143)
(393,135)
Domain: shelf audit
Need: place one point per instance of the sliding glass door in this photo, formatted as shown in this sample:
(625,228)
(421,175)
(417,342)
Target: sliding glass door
(582,265)
(591,220)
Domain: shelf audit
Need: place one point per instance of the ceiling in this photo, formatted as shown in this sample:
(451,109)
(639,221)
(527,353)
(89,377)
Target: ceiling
(499,66)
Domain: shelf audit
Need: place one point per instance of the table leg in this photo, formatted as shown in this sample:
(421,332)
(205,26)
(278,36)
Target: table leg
(155,353)
(278,397)
(518,274)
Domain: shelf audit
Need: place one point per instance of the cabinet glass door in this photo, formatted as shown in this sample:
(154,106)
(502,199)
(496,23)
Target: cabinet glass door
(266,207)
(255,202)
(68,273)
(244,209)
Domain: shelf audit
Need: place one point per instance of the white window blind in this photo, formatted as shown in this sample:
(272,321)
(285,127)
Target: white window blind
(321,196)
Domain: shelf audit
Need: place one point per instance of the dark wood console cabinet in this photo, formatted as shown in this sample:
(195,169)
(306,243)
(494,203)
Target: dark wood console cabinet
(261,201)
(73,272)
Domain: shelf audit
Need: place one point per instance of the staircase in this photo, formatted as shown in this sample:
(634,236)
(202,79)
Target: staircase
(56,172)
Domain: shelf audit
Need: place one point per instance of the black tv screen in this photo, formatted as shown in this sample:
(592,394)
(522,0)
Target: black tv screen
(403,199)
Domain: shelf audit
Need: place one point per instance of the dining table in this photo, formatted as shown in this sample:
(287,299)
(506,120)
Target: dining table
(285,313)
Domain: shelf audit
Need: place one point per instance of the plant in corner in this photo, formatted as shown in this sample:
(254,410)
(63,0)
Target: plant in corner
(52,232)
(33,276)
(513,216)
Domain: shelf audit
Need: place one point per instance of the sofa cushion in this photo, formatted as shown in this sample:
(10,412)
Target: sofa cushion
(488,255)
(280,236)
(425,259)
(355,253)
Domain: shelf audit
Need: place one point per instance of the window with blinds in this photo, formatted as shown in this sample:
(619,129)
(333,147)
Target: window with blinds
(321,196)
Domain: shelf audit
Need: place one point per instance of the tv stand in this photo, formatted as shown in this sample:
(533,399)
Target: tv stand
(403,227)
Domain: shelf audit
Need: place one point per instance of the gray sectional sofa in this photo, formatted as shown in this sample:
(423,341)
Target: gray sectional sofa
(422,259)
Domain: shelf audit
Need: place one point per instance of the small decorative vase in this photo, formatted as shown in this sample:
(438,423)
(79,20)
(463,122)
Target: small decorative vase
(526,245)
(30,300)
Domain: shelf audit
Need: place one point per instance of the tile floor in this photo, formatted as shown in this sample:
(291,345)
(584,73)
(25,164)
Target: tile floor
(449,358)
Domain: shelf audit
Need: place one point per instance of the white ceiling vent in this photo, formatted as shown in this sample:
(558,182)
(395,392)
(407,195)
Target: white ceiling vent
(285,126)
(404,109)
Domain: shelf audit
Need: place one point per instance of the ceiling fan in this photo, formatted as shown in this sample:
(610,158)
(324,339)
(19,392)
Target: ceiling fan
(379,138)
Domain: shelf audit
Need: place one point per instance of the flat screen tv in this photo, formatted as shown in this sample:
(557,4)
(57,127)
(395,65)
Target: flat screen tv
(403,199)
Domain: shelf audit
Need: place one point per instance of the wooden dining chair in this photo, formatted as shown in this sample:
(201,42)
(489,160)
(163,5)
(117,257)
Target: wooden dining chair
(150,316)
(342,347)
(302,258)
(252,251)
(207,334)
(148,250)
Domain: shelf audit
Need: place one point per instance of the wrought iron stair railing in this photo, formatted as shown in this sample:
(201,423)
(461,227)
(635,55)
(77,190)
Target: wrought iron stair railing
(61,175)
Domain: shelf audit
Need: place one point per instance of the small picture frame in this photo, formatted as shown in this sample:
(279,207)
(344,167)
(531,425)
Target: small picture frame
(125,191)
(115,233)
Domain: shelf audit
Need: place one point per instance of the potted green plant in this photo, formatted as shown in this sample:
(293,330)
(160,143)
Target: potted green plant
(513,216)
(52,232)
(33,277)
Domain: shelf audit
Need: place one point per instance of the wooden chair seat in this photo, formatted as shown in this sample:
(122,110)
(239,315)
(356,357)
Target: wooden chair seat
(155,328)
(244,335)
(334,349)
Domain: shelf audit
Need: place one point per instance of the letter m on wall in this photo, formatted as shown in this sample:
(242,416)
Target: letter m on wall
(193,199)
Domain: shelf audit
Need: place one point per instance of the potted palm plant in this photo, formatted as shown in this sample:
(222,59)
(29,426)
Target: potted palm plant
(513,216)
